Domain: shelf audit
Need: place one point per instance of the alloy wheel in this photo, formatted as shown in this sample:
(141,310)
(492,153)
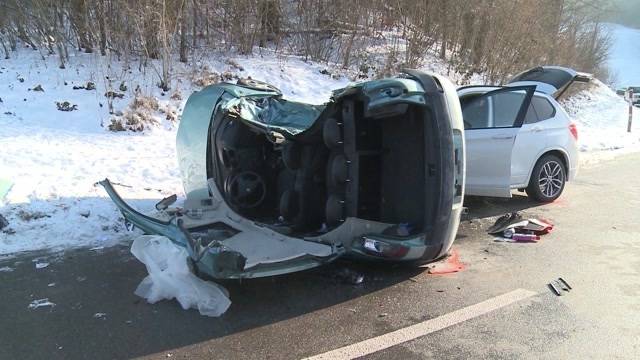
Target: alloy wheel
(551,178)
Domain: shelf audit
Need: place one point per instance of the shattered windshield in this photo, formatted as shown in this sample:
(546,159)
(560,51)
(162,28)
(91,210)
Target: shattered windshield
(275,113)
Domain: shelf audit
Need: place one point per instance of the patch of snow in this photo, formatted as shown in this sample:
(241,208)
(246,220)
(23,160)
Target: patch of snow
(601,117)
(96,248)
(41,265)
(6,269)
(170,278)
(51,284)
(41,303)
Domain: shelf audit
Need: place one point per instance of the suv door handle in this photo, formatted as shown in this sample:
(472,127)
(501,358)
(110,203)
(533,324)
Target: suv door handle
(502,137)
(536,129)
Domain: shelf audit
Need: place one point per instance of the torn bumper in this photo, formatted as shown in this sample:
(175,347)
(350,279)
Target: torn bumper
(217,262)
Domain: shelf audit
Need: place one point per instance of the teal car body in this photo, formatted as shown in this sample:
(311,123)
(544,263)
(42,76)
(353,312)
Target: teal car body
(275,186)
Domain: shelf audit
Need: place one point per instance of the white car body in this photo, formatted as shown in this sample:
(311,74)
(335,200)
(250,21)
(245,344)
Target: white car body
(501,156)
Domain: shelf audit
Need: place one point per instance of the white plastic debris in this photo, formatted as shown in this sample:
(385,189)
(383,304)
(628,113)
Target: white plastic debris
(169,277)
(41,303)
(100,315)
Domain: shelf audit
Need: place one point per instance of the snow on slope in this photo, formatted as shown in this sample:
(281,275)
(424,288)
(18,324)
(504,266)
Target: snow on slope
(54,157)
(602,117)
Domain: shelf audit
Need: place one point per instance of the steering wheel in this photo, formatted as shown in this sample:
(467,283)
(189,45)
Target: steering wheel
(246,189)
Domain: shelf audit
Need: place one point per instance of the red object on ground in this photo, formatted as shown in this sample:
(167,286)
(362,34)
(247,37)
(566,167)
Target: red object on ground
(450,265)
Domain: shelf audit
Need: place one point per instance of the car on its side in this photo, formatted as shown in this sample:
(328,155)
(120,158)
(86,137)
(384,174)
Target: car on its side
(275,186)
(519,137)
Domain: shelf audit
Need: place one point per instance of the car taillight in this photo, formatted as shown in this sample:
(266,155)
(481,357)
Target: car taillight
(573,129)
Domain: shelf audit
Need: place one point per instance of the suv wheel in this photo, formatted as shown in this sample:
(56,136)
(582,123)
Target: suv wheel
(548,179)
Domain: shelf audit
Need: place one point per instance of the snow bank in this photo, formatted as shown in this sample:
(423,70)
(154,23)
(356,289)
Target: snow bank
(601,117)
(169,278)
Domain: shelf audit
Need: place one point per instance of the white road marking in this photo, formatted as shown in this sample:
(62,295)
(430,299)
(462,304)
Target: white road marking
(400,336)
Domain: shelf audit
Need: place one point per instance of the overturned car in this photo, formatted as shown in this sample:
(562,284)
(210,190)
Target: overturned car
(275,186)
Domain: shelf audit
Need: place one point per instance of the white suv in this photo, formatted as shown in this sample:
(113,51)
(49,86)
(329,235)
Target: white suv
(519,137)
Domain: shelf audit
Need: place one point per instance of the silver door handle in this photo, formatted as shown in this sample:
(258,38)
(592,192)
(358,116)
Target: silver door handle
(504,137)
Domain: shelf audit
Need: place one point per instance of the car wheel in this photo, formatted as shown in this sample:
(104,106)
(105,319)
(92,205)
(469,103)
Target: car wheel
(547,179)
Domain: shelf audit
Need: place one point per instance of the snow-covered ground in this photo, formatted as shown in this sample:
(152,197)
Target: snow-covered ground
(602,118)
(55,157)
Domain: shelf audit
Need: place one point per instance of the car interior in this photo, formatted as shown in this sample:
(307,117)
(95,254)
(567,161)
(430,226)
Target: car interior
(347,164)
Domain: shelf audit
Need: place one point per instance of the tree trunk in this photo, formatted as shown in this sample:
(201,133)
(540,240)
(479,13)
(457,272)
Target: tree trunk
(183,34)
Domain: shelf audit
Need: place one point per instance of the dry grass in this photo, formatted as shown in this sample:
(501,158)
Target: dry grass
(137,116)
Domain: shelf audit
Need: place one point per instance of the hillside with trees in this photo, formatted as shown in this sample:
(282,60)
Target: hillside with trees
(495,38)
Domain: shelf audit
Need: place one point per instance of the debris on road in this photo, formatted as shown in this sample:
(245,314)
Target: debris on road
(100,315)
(554,288)
(41,303)
(41,265)
(513,228)
(343,275)
(350,276)
(565,283)
(450,265)
(169,277)
(560,284)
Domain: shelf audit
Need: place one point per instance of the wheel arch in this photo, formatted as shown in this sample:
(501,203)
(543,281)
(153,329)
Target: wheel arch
(561,153)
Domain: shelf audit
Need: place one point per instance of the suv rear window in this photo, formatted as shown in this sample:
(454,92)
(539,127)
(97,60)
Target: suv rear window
(544,108)
(539,109)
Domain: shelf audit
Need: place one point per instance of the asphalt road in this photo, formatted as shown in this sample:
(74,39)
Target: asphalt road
(595,247)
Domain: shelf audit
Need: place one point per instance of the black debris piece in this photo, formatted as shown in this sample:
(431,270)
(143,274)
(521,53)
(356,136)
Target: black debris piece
(559,285)
(503,223)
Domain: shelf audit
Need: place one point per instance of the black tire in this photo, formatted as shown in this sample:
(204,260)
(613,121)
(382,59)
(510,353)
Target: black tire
(549,169)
